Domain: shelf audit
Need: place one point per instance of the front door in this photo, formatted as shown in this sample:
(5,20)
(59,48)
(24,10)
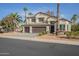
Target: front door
(52,26)
(52,29)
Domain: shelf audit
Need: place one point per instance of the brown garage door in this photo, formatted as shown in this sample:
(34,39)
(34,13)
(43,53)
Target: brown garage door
(38,29)
(27,29)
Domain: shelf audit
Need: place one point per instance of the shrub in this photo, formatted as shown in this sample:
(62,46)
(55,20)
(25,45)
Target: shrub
(75,27)
(68,34)
(39,34)
(42,33)
(72,34)
(21,31)
(77,33)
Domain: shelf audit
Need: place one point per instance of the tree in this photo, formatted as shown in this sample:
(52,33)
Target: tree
(16,17)
(58,15)
(75,25)
(74,19)
(11,21)
(25,11)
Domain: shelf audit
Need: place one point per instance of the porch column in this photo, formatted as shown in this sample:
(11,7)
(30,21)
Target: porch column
(66,27)
(23,29)
(55,28)
(48,29)
(48,22)
(30,29)
(69,27)
(30,20)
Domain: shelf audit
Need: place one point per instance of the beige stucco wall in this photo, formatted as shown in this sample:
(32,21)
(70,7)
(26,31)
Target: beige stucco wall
(29,21)
(39,16)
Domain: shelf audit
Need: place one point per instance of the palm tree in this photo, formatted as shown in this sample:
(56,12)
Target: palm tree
(25,10)
(16,19)
(58,15)
(11,22)
(74,19)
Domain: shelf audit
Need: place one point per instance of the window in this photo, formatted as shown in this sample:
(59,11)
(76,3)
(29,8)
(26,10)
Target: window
(33,19)
(62,26)
(41,19)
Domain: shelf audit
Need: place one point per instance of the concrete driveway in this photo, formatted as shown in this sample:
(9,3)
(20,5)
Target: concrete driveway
(18,34)
(17,47)
(27,34)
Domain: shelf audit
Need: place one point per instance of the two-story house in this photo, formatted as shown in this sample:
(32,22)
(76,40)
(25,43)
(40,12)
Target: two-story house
(44,22)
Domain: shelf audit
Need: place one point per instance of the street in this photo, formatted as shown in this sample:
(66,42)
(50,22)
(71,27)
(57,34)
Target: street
(16,47)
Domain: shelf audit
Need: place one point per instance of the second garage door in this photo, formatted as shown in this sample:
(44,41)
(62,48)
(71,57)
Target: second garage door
(27,29)
(38,29)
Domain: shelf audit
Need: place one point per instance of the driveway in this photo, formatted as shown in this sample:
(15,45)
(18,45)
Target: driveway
(26,35)
(15,47)
(17,34)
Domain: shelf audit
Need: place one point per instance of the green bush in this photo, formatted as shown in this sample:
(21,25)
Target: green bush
(21,31)
(72,34)
(68,34)
(75,27)
(77,33)
(39,34)
(42,33)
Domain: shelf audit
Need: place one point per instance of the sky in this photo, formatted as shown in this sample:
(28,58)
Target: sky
(67,10)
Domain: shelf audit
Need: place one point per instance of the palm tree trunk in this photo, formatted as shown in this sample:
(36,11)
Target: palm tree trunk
(25,15)
(58,15)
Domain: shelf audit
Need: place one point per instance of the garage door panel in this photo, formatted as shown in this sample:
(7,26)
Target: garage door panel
(38,29)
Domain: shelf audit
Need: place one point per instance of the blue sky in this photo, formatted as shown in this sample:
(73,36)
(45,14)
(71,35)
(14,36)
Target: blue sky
(66,10)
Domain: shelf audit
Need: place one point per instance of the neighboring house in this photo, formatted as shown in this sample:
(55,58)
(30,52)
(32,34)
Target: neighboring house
(41,22)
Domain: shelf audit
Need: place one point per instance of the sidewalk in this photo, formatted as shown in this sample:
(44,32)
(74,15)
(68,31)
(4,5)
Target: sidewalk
(48,40)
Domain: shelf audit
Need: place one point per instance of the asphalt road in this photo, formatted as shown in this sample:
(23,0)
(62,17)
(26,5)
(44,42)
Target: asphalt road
(16,47)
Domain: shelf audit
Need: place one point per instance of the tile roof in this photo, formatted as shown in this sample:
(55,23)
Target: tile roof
(52,16)
(49,16)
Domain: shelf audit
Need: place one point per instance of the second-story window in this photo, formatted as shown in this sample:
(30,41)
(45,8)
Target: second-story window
(33,20)
(41,19)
